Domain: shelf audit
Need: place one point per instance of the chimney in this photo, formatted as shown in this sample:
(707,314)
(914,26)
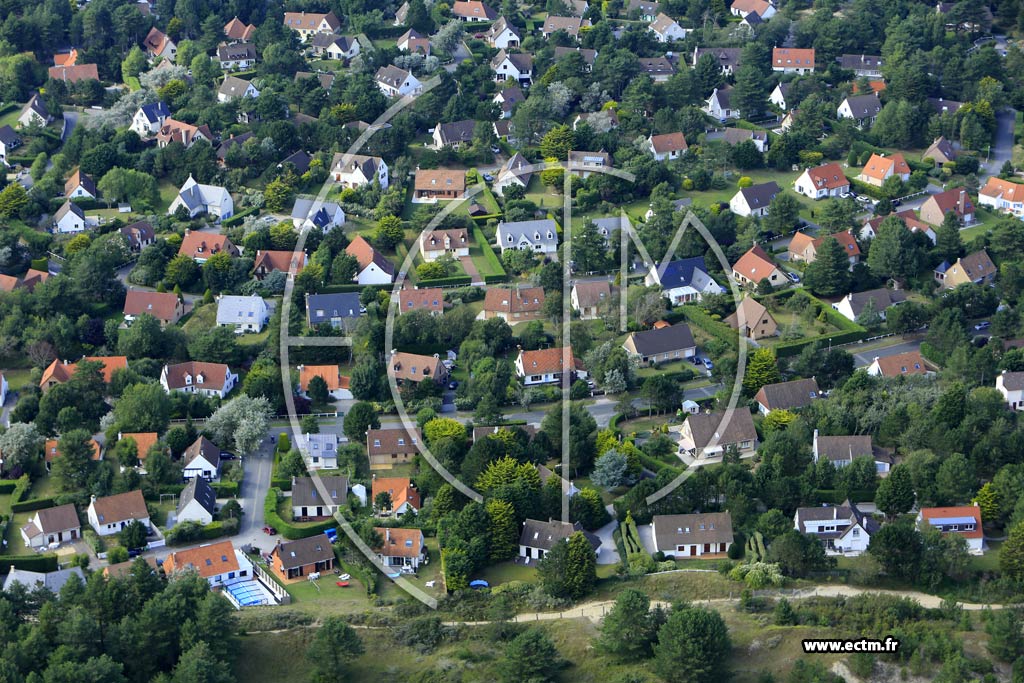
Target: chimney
(961,204)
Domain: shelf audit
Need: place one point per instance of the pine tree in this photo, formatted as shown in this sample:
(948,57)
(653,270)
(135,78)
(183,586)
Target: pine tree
(895,494)
(504,530)
(948,244)
(750,95)
(1011,556)
(828,274)
(762,369)
(626,631)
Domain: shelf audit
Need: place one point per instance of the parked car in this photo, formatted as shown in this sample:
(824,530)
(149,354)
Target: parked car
(983,325)
(270,531)
(696,360)
(488,177)
(793,276)
(708,364)
(453,384)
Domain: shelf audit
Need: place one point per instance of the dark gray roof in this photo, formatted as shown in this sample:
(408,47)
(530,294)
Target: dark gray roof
(225,145)
(726,56)
(305,551)
(202,447)
(154,111)
(652,342)
(322,307)
(882,297)
(860,62)
(199,490)
(788,395)
(694,529)
(300,160)
(760,196)
(236,51)
(1013,381)
(391,75)
(304,491)
(456,132)
(9,137)
(58,518)
(724,96)
(705,427)
(545,535)
(839,448)
(864,106)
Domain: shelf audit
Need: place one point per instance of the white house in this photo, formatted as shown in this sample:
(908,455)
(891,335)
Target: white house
(111,514)
(512,66)
(244,313)
(329,215)
(754,200)
(719,105)
(963,520)
(195,377)
(213,200)
(34,113)
(236,56)
(51,526)
(538,538)
(841,451)
(219,563)
(3,389)
(667,146)
(778,96)
(842,529)
(1011,386)
(336,47)
(395,82)
(538,236)
(546,366)
(356,170)
(234,88)
(692,535)
(149,119)
(854,304)
(1002,195)
(201,459)
(197,502)
(683,280)
(374,267)
(69,218)
(80,186)
(309,503)
(320,451)
(827,180)
(503,35)
(793,60)
(516,171)
(666,29)
(9,141)
(861,108)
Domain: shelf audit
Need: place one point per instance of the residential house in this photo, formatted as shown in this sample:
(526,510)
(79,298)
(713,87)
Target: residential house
(709,435)
(219,563)
(307,24)
(538,236)
(841,451)
(52,581)
(403,493)
(69,218)
(538,538)
(963,520)
(778,96)
(395,82)
(233,88)
(320,451)
(196,377)
(753,320)
(546,366)
(401,14)
(51,527)
(1011,386)
(863,109)
(337,310)
(582,164)
(74,73)
(683,280)
(646,10)
(356,170)
(607,226)
(719,105)
(213,200)
(756,265)
(792,60)
(599,121)
(268,260)
(58,372)
(9,141)
(591,299)
(792,395)
(743,8)
(80,186)
(473,11)
(236,56)
(735,136)
(661,345)
(197,502)
(728,58)
(238,31)
(414,367)
(571,26)
(502,35)
(374,268)
(110,514)
(454,134)
(863,66)
(1002,195)
(693,535)
(296,560)
(139,235)
(507,99)
(667,146)
(164,306)
(244,313)
(178,131)
(402,549)
(842,529)
(909,363)
(515,171)
(32,278)
(201,459)
(433,185)
(337,384)
(413,42)
(827,180)
(34,113)
(513,305)
(942,152)
(955,200)
(976,268)
(333,46)
(880,168)
(666,29)
(159,46)
(437,243)
(803,247)
(327,216)
(144,443)
(907,217)
(51,451)
(200,246)
(754,200)
(69,58)
(854,305)
(310,502)
(513,66)
(430,299)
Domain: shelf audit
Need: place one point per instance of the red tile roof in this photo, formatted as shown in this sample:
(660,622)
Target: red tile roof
(971,511)
(205,244)
(755,265)
(545,361)
(208,560)
(401,489)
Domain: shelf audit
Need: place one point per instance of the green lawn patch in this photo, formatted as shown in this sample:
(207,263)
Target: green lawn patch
(168,193)
(17,377)
(504,572)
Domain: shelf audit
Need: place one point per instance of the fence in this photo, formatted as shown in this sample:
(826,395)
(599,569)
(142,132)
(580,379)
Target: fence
(271,584)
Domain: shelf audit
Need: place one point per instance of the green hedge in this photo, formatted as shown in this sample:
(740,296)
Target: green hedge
(495,279)
(453,281)
(40,264)
(337,289)
(849,331)
(204,532)
(655,465)
(493,262)
(287,529)
(239,217)
(34,504)
(8,486)
(699,318)
(225,489)
(8,108)
(283,484)
(613,424)
(32,563)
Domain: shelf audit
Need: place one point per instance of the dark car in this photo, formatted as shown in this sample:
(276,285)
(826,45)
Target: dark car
(983,325)
(453,384)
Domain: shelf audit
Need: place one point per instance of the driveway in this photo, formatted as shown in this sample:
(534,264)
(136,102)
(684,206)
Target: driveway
(1002,149)
(646,532)
(70,121)
(609,552)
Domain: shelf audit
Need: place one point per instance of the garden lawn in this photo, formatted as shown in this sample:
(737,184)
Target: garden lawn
(202,318)
(11,117)
(17,377)
(986,220)
(168,193)
(507,571)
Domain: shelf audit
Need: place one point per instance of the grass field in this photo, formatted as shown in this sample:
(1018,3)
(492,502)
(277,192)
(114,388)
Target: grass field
(17,377)
(168,192)
(11,117)
(503,572)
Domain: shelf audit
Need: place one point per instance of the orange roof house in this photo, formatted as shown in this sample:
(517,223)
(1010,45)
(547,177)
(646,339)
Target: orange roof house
(402,491)
(962,520)
(202,245)
(236,29)
(909,363)
(9,283)
(212,560)
(164,306)
(757,265)
(74,73)
(336,382)
(267,261)
(59,372)
(547,365)
(880,168)
(52,450)
(66,58)
(430,299)
(793,59)
(144,442)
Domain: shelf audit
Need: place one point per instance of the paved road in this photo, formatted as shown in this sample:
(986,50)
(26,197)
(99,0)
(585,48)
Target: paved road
(1002,149)
(70,121)
(865,358)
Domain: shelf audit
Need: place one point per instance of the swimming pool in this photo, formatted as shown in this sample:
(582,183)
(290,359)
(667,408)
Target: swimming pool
(249,593)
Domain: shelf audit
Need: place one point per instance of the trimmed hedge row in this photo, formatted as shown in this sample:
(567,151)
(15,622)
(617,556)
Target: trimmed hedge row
(287,529)
(7,486)
(337,289)
(453,281)
(32,563)
(719,330)
(225,489)
(655,465)
(493,262)
(283,484)
(849,331)
(33,504)
(239,217)
(206,532)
